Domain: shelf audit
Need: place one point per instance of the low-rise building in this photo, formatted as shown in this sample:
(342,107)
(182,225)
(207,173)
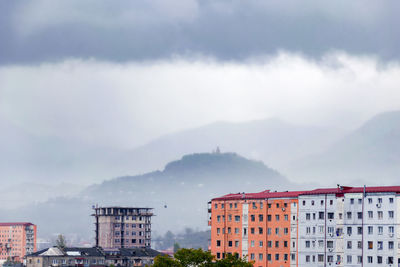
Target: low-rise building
(91,257)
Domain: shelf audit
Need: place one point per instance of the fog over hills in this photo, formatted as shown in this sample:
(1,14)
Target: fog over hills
(369,154)
(179,194)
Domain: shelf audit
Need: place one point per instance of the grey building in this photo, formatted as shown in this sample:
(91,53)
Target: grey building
(122,227)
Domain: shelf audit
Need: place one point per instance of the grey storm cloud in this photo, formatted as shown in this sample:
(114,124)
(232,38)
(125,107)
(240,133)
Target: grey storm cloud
(121,31)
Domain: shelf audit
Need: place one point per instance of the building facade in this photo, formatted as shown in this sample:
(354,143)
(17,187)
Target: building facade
(122,227)
(91,257)
(344,226)
(17,239)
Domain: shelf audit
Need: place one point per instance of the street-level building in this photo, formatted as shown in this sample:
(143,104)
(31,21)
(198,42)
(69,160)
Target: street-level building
(122,227)
(17,239)
(91,257)
(343,226)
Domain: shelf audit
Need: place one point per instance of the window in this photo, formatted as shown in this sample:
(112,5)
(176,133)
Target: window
(380,215)
(218,218)
(349,244)
(260,218)
(222,206)
(329,244)
(252,243)
(380,245)
(237,218)
(269,257)
(349,259)
(304,202)
(321,215)
(359,201)
(260,244)
(308,230)
(218,230)
(380,200)
(261,205)
(285,244)
(359,259)
(236,243)
(277,257)
(260,230)
(307,258)
(286,217)
(359,230)
(235,205)
(359,215)
(369,259)
(391,214)
(308,216)
(253,218)
(391,229)
(391,200)
(260,256)
(331,215)
(277,217)
(252,256)
(269,206)
(218,243)
(349,215)
(285,257)
(369,200)
(391,245)
(370,245)
(277,244)
(349,230)
(269,218)
(331,202)
(285,231)
(308,244)
(276,231)
(229,218)
(379,260)
(320,258)
(254,205)
(370,214)
(230,243)
(236,230)
(269,244)
(370,230)
(269,231)
(277,205)
(351,201)
(359,244)
(312,202)
(380,230)
(252,230)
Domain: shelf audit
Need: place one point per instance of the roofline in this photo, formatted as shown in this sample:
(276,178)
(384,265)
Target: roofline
(320,191)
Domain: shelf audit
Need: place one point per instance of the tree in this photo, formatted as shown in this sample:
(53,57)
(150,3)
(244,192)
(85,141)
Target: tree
(198,258)
(176,247)
(60,242)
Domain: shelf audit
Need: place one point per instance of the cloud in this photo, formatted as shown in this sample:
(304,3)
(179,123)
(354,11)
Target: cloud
(124,31)
(126,105)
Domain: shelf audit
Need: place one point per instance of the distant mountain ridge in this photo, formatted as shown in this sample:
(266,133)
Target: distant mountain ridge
(179,194)
(371,152)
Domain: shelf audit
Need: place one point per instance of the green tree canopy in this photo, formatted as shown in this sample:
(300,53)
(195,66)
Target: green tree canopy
(198,258)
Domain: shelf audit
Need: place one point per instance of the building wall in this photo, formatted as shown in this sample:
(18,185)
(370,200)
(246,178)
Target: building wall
(17,240)
(324,229)
(123,227)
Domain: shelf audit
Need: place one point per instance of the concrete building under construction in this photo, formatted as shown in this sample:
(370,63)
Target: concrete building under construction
(122,227)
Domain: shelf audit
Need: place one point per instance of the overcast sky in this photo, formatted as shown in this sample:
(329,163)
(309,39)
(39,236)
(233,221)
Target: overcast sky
(120,73)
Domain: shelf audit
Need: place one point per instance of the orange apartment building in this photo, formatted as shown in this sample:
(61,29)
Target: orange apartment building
(343,226)
(17,239)
(256,225)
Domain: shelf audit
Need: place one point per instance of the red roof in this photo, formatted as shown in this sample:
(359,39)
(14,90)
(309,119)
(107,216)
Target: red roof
(16,223)
(321,191)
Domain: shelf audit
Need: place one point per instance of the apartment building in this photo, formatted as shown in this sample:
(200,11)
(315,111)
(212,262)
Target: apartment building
(343,226)
(122,227)
(17,239)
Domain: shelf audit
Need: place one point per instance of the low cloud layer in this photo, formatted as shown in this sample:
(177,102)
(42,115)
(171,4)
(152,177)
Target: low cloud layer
(126,31)
(126,105)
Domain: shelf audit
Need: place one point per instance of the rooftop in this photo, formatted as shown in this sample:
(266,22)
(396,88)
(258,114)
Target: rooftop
(16,223)
(293,194)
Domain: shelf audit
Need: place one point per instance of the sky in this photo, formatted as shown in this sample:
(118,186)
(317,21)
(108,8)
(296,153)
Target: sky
(119,74)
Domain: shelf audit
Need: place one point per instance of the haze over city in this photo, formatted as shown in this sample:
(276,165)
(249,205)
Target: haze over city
(126,102)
